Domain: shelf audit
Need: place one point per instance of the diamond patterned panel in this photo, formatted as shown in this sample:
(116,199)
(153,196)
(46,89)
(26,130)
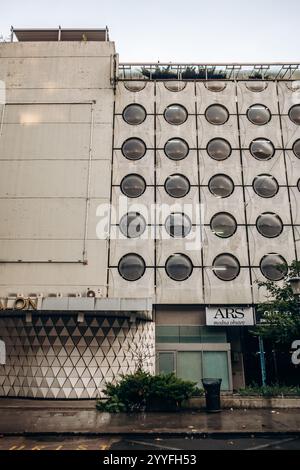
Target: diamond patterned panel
(56,357)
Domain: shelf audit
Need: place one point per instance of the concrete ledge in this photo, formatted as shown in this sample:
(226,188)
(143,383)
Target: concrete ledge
(247,402)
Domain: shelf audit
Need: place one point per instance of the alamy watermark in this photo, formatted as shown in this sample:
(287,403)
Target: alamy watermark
(153,221)
(296,354)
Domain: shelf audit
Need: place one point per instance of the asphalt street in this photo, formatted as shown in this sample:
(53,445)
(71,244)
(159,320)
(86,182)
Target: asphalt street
(117,443)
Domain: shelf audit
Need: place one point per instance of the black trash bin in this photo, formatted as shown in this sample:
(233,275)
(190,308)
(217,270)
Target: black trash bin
(212,394)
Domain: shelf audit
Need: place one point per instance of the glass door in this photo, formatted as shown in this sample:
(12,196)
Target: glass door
(215,366)
(189,366)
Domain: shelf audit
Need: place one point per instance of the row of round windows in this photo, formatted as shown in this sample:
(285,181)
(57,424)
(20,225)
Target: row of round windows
(179,225)
(179,267)
(217,148)
(211,85)
(217,114)
(220,185)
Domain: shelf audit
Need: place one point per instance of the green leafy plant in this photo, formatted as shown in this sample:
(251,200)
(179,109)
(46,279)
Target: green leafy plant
(189,73)
(142,391)
(280,315)
(273,390)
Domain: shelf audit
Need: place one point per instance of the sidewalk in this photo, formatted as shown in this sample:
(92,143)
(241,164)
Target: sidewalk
(19,416)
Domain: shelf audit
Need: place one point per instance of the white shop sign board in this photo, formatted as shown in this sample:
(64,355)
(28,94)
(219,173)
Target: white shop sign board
(229,316)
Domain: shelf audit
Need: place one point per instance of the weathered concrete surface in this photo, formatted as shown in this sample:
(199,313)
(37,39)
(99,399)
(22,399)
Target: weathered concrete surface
(238,402)
(26,416)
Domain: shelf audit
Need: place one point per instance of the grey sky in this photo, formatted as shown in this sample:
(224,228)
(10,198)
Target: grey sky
(174,30)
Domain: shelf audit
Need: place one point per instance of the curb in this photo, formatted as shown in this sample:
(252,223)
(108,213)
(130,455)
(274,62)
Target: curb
(197,434)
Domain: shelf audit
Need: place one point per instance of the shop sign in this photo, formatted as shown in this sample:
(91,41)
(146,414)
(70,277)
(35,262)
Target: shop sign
(229,316)
(19,303)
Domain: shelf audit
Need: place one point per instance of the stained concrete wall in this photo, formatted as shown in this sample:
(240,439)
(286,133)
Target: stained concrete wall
(55,152)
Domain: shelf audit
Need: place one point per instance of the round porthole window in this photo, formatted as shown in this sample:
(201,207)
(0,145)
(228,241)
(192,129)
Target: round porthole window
(135,85)
(265,185)
(218,149)
(175,114)
(256,86)
(296,148)
(132,225)
(258,114)
(133,185)
(174,85)
(134,148)
(262,149)
(177,185)
(134,114)
(273,267)
(131,267)
(215,85)
(223,225)
(226,267)
(179,267)
(176,148)
(269,225)
(178,225)
(217,114)
(221,185)
(294,114)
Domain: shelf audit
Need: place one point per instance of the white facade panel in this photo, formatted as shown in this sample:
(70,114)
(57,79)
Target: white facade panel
(166,131)
(207,131)
(140,246)
(144,131)
(249,131)
(43,178)
(58,72)
(210,167)
(274,167)
(207,97)
(119,287)
(42,218)
(63,277)
(227,292)
(293,168)
(166,167)
(256,205)
(247,98)
(188,204)
(144,97)
(144,166)
(55,48)
(290,131)
(123,204)
(288,96)
(45,141)
(165,98)
(27,114)
(173,292)
(189,246)
(233,204)
(295,204)
(102,141)
(41,250)
(259,245)
(236,245)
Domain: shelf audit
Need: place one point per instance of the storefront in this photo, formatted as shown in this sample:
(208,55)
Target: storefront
(202,342)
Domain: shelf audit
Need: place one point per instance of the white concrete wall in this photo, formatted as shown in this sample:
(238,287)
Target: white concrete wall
(55,152)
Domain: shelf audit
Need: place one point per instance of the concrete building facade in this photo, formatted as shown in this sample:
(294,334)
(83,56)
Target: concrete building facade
(139,205)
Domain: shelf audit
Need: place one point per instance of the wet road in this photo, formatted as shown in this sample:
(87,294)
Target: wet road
(116,443)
